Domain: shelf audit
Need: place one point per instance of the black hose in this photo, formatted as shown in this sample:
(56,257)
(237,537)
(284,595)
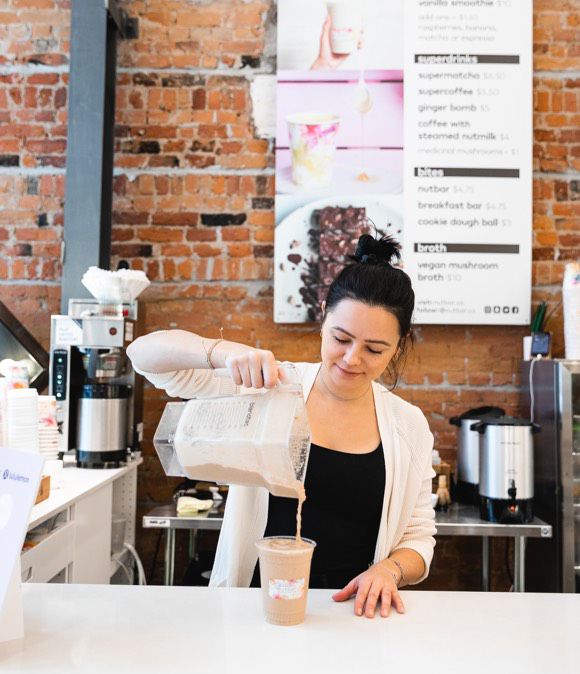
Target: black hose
(507,560)
(156,553)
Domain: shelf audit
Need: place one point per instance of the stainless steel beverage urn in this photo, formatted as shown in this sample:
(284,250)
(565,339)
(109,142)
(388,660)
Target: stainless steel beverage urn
(102,424)
(506,469)
(468,451)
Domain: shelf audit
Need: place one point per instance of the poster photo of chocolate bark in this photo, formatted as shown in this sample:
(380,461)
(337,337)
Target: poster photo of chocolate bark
(313,243)
(339,141)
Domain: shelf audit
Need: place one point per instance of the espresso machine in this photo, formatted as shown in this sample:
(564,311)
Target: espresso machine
(98,395)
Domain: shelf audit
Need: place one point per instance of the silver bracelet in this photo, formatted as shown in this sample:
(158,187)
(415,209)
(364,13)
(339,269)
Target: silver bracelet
(398,565)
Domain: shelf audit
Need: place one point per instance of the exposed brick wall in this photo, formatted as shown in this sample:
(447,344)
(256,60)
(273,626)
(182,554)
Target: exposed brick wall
(193,202)
(186,121)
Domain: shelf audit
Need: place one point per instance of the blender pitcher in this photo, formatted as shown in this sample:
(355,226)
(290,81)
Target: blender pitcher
(257,439)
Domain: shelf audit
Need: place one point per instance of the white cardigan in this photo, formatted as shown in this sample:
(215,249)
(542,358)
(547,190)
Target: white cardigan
(407,519)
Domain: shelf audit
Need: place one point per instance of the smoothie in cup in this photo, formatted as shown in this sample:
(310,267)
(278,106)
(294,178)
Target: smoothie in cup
(313,145)
(285,574)
(346,19)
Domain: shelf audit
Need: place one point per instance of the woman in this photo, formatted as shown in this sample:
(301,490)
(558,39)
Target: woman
(368,479)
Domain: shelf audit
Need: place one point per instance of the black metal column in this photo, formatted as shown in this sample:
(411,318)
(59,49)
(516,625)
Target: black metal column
(95,27)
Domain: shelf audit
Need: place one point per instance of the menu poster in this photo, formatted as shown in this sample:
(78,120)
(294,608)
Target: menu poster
(20,474)
(411,118)
(468,154)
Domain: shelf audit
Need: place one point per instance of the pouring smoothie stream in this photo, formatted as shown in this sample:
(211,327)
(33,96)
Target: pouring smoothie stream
(359,444)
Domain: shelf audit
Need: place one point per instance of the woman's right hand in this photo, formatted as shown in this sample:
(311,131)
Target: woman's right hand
(327,59)
(255,368)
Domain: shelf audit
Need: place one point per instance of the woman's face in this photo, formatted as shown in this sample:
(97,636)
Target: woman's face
(358,342)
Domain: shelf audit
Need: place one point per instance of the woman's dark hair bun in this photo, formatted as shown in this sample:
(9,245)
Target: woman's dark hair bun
(375,251)
(373,279)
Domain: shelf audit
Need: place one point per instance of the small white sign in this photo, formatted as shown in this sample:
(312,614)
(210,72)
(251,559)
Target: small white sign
(67,332)
(20,474)
(160,523)
(128,331)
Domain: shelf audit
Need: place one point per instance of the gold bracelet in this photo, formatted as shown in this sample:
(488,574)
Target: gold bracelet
(208,353)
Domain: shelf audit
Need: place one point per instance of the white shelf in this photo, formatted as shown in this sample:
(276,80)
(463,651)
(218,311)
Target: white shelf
(76,482)
(88,500)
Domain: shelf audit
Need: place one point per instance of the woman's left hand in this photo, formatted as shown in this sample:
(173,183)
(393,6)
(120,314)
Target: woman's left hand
(375,584)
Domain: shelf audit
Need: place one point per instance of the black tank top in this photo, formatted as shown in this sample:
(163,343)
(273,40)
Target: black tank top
(342,513)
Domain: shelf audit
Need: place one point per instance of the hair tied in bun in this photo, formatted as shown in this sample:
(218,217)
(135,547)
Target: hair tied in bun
(385,249)
(370,258)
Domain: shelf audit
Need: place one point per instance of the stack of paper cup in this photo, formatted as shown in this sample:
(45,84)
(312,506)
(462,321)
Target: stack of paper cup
(47,427)
(22,419)
(3,412)
(571,298)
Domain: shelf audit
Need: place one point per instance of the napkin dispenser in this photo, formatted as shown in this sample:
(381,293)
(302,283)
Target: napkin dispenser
(11,615)
(20,476)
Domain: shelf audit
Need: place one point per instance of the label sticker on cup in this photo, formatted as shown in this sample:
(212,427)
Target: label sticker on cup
(286,589)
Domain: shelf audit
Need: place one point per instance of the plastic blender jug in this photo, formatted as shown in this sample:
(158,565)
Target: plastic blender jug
(257,439)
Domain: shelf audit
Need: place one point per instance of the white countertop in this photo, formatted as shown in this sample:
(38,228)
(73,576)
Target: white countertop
(90,628)
(76,482)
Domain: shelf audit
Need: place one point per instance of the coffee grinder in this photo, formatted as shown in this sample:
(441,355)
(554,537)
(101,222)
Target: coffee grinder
(98,394)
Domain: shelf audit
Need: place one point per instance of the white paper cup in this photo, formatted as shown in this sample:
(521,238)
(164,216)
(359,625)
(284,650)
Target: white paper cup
(527,347)
(346,19)
(571,300)
(313,146)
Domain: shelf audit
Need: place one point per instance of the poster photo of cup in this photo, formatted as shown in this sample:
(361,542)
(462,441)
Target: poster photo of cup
(338,132)
(340,34)
(339,142)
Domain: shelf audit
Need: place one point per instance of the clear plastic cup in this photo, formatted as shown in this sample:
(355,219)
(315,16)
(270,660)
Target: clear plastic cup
(285,574)
(313,146)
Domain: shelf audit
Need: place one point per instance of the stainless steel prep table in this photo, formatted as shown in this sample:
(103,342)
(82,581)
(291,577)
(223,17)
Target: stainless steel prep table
(464,520)
(165,517)
(459,520)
